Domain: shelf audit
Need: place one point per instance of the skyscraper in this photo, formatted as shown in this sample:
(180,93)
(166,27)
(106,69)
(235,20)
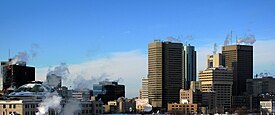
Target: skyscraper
(239,58)
(189,65)
(164,72)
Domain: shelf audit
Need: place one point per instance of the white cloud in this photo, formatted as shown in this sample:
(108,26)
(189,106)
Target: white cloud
(130,66)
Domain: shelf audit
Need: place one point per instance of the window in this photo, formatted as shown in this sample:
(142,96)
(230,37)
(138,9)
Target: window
(14,106)
(10,106)
(4,106)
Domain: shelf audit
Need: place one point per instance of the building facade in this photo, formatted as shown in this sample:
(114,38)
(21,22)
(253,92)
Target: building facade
(107,91)
(165,72)
(215,60)
(15,75)
(239,59)
(144,88)
(189,65)
(259,86)
(220,81)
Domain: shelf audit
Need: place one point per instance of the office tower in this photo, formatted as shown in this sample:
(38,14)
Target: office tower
(259,86)
(108,91)
(215,60)
(220,81)
(239,58)
(164,73)
(15,75)
(189,65)
(144,89)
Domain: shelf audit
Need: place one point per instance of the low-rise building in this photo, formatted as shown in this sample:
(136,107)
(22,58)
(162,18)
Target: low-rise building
(182,109)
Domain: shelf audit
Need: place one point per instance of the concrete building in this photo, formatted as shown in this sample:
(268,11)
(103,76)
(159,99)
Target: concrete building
(144,88)
(189,65)
(15,75)
(259,86)
(165,73)
(182,109)
(239,59)
(191,96)
(215,60)
(220,81)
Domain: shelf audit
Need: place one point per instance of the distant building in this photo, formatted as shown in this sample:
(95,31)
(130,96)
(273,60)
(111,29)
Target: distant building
(220,81)
(165,73)
(190,96)
(195,85)
(189,65)
(107,91)
(140,104)
(144,88)
(267,107)
(215,60)
(182,109)
(13,76)
(239,59)
(259,86)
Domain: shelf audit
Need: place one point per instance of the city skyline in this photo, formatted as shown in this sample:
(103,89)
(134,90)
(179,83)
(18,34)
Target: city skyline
(109,39)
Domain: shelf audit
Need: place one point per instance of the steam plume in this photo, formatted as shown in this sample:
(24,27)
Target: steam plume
(25,56)
(215,48)
(227,39)
(250,39)
(52,101)
(71,106)
(171,38)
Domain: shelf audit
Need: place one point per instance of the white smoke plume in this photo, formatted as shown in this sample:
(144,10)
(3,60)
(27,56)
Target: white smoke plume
(25,56)
(249,39)
(189,37)
(71,107)
(227,39)
(58,74)
(215,48)
(171,38)
(51,102)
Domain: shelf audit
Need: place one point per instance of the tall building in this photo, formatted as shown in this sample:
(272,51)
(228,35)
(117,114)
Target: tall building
(189,65)
(215,60)
(15,75)
(144,88)
(239,58)
(108,91)
(259,86)
(220,81)
(164,72)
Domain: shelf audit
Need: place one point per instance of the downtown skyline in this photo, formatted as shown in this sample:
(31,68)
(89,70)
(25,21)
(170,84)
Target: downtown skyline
(104,38)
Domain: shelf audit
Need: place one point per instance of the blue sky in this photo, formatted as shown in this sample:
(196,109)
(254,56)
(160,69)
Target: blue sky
(78,31)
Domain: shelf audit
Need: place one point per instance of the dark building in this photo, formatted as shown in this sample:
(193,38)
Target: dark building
(239,58)
(13,76)
(165,73)
(108,91)
(259,86)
